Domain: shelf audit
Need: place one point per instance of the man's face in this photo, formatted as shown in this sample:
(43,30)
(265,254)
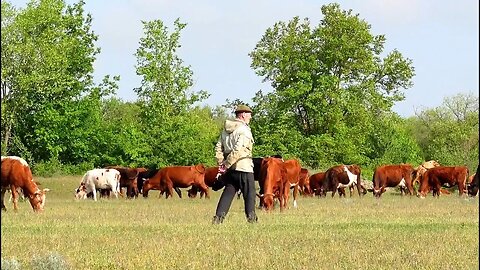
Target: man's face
(246,117)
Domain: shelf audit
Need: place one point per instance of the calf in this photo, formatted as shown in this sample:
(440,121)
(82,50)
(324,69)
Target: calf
(316,182)
(17,174)
(392,176)
(98,179)
(437,177)
(304,183)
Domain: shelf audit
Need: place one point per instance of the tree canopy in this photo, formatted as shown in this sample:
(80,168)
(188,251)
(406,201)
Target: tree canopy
(334,87)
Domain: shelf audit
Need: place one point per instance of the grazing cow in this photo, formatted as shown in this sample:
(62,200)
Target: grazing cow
(392,176)
(316,182)
(440,176)
(421,169)
(177,176)
(304,183)
(293,168)
(128,179)
(342,176)
(273,179)
(98,179)
(473,185)
(17,174)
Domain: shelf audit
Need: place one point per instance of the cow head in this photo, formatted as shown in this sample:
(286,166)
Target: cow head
(37,199)
(472,189)
(81,192)
(267,201)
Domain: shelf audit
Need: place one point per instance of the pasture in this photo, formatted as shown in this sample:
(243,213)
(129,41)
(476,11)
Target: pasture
(392,232)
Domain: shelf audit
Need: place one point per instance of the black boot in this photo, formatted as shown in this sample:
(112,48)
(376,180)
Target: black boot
(252,218)
(217,220)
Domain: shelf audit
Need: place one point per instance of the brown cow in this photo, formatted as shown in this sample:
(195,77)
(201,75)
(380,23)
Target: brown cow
(273,178)
(342,176)
(392,176)
(177,176)
(17,174)
(434,178)
(293,168)
(316,182)
(304,183)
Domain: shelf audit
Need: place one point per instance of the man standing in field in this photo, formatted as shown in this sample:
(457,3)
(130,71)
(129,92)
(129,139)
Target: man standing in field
(233,152)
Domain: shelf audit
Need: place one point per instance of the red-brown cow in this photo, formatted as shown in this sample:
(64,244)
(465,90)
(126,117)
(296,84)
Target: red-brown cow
(304,183)
(17,174)
(273,179)
(177,176)
(316,182)
(392,176)
(434,178)
(293,168)
(342,176)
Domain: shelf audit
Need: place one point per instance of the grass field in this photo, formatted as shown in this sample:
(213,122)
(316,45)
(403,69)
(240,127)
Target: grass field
(393,232)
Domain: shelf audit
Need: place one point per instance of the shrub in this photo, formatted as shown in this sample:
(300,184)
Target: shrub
(10,264)
(53,261)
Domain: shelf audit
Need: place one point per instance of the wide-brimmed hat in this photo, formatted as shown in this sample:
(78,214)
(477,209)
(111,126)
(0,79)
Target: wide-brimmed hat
(243,108)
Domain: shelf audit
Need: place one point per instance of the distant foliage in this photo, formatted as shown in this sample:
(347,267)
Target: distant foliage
(334,89)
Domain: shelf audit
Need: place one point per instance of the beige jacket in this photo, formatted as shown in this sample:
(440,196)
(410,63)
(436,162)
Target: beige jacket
(235,145)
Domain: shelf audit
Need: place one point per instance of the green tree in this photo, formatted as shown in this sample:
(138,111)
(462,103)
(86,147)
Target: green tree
(449,133)
(47,66)
(178,133)
(330,80)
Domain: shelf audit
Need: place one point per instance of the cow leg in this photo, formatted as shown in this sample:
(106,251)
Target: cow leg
(461,187)
(94,190)
(3,196)
(204,188)
(286,194)
(13,189)
(178,191)
(410,188)
(295,195)
(170,191)
(334,190)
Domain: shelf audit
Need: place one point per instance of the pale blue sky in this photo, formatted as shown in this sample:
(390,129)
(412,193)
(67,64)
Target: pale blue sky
(441,38)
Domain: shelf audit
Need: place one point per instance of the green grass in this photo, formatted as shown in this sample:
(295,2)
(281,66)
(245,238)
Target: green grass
(393,232)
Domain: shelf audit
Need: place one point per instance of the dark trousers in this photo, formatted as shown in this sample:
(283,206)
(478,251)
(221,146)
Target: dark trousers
(234,181)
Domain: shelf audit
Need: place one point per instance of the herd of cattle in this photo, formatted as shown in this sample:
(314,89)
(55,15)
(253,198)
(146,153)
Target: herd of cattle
(275,176)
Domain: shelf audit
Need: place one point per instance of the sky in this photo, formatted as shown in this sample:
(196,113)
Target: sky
(441,37)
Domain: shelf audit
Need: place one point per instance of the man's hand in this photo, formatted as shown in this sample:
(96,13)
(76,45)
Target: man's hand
(222,168)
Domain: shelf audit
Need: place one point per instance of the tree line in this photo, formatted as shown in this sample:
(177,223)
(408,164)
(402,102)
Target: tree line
(334,89)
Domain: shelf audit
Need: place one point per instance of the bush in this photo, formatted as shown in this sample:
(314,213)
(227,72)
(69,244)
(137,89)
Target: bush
(53,261)
(10,264)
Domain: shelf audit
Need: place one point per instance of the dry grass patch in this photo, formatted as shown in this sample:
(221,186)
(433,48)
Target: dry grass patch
(153,233)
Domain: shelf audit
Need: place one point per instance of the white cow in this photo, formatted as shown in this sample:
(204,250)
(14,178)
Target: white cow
(98,179)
